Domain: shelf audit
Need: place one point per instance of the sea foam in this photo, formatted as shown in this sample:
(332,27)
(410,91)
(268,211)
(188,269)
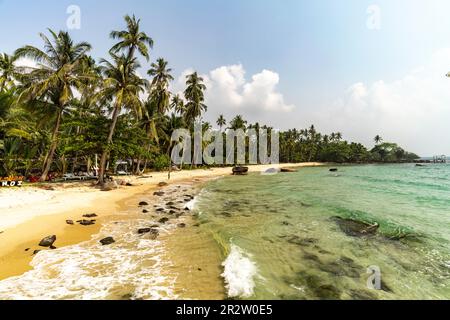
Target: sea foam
(239,273)
(129,269)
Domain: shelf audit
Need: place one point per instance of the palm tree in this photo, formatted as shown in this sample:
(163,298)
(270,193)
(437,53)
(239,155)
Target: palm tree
(378,139)
(131,39)
(160,73)
(52,82)
(7,71)
(121,86)
(221,122)
(177,104)
(195,98)
(159,92)
(238,123)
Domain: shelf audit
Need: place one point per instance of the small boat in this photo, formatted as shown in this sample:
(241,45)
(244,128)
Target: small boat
(334,170)
(240,171)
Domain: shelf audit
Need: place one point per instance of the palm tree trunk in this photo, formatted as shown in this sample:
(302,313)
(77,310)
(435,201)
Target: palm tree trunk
(101,173)
(49,158)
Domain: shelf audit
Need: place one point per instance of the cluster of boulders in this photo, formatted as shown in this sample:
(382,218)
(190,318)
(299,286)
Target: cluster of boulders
(169,207)
(172,208)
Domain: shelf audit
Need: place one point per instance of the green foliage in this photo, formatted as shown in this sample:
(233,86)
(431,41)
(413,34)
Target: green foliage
(162,162)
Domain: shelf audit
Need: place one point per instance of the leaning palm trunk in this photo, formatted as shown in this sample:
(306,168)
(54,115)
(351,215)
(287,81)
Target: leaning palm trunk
(101,173)
(49,158)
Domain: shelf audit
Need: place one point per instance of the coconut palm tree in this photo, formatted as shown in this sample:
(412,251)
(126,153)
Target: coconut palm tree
(378,139)
(159,89)
(238,122)
(132,39)
(195,98)
(52,82)
(122,86)
(221,122)
(7,71)
(177,104)
(160,73)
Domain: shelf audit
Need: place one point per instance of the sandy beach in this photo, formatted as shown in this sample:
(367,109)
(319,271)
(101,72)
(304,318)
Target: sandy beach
(31,213)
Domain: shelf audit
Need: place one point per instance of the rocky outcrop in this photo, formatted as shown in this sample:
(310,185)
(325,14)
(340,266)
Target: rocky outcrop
(107,241)
(356,228)
(240,170)
(289,170)
(47,241)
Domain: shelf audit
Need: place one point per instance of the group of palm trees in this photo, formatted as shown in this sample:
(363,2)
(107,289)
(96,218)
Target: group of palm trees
(66,107)
(66,84)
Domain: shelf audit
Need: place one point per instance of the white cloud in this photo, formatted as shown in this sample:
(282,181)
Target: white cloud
(413,111)
(230,93)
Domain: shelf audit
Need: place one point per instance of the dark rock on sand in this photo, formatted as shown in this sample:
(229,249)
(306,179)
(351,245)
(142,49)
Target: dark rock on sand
(143,203)
(107,241)
(27,249)
(182,225)
(170,203)
(145,211)
(356,228)
(163,184)
(53,247)
(159,193)
(70,222)
(160,210)
(36,252)
(154,234)
(144,230)
(172,212)
(91,215)
(86,222)
(47,241)
(163,220)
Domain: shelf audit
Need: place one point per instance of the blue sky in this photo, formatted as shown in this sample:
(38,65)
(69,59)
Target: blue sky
(318,49)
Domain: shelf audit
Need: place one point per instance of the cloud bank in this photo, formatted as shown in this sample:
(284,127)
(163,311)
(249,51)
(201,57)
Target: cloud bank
(413,111)
(230,93)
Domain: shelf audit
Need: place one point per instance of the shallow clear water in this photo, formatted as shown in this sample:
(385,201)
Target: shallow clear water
(281,241)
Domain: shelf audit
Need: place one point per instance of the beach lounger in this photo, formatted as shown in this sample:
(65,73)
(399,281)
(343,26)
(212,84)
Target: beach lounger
(71,176)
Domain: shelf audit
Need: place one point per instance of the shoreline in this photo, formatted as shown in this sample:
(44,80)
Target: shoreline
(49,214)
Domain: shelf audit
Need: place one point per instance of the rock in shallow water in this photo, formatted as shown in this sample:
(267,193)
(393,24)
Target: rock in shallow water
(107,241)
(47,241)
(144,230)
(163,220)
(356,228)
(143,203)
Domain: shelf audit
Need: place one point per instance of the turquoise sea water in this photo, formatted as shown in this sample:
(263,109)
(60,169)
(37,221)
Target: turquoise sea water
(280,238)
